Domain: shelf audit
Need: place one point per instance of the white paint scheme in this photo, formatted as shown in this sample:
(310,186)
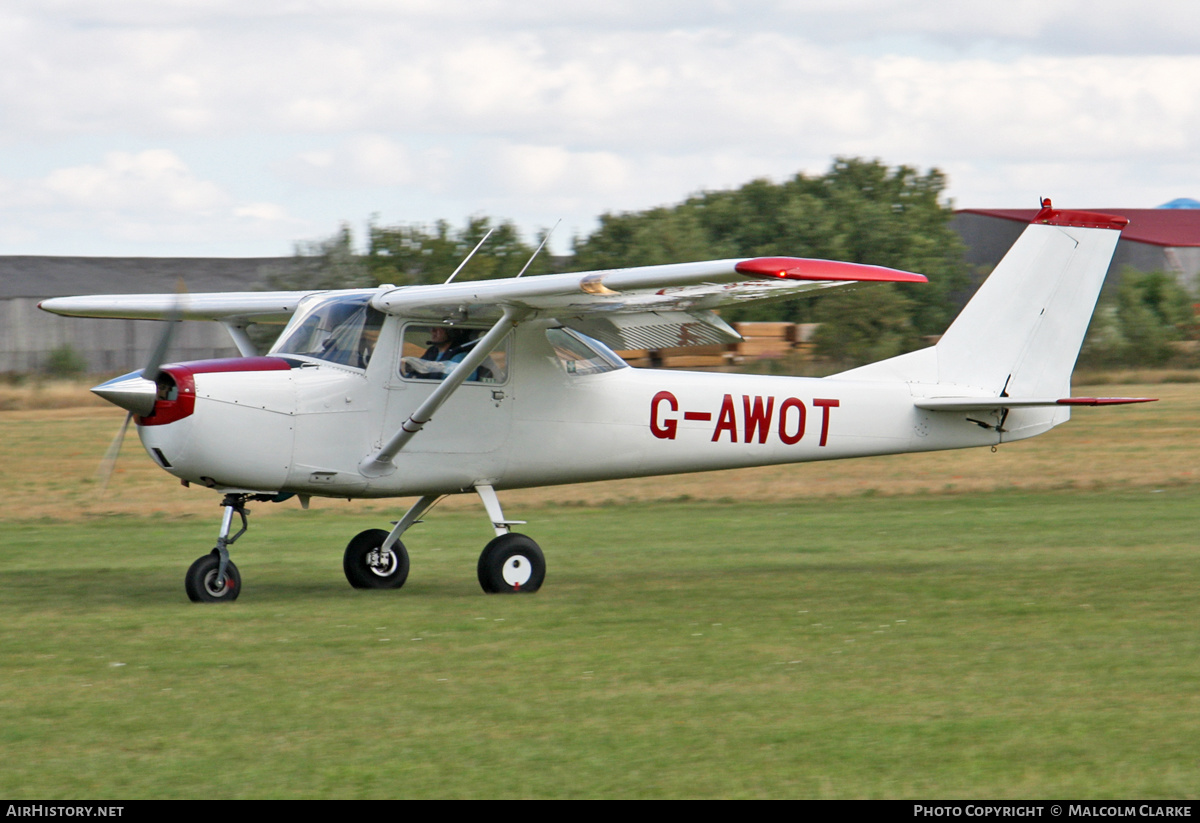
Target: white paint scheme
(550,427)
(276,304)
(999,373)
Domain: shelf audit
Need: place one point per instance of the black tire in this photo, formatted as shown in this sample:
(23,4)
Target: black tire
(201,581)
(512,564)
(366,570)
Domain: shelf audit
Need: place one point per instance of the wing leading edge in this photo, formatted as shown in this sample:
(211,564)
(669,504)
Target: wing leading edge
(265,305)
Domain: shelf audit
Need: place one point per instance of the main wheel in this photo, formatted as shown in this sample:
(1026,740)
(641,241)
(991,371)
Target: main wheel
(511,563)
(368,568)
(201,581)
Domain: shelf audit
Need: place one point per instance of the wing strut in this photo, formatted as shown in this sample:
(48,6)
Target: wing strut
(237,330)
(379,463)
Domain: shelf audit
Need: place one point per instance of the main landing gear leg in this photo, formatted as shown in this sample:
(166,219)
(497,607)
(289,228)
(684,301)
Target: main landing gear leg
(214,578)
(512,563)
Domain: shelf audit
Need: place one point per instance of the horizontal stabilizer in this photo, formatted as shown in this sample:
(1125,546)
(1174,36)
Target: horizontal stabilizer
(990,403)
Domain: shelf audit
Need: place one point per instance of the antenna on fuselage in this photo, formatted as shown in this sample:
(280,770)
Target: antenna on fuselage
(467,259)
(539,248)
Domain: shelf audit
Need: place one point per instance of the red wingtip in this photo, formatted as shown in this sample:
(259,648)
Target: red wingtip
(798,268)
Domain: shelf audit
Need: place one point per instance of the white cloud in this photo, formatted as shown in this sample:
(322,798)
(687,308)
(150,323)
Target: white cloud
(369,161)
(150,198)
(147,181)
(549,170)
(261,211)
(442,109)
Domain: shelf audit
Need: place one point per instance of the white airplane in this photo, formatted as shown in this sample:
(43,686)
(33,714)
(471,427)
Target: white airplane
(432,390)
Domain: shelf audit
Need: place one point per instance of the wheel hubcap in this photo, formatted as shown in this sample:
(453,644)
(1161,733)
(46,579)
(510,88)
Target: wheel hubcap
(210,584)
(382,564)
(517,571)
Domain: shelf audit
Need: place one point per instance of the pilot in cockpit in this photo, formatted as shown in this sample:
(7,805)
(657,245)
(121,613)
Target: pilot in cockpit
(447,346)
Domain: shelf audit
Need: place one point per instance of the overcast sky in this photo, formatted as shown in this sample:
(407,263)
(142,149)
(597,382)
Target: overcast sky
(237,127)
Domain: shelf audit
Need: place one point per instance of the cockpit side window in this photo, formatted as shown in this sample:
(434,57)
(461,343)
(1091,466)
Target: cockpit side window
(430,352)
(343,330)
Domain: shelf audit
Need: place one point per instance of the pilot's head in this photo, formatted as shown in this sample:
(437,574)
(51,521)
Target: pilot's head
(447,336)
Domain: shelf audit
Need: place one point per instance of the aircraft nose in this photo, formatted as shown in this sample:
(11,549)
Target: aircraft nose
(131,392)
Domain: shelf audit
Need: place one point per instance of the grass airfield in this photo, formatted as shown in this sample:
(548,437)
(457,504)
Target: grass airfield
(965,624)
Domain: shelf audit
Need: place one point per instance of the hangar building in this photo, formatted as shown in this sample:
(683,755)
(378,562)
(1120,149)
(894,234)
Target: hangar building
(1165,239)
(28,336)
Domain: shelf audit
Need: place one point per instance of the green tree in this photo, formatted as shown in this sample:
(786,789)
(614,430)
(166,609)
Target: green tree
(860,211)
(409,254)
(862,325)
(1154,310)
(1135,324)
(662,235)
(65,361)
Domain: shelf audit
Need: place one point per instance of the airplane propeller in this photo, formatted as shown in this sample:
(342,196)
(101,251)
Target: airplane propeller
(137,391)
(109,462)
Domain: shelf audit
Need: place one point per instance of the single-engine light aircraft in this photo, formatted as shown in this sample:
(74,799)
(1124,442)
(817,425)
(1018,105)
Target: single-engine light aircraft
(425,391)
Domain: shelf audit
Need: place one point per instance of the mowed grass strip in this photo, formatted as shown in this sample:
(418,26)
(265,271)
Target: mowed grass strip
(1008,644)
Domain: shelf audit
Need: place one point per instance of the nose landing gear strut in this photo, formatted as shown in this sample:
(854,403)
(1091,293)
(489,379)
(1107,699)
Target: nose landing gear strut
(214,578)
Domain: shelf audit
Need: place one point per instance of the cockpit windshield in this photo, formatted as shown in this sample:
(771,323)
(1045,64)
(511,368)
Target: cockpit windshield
(341,329)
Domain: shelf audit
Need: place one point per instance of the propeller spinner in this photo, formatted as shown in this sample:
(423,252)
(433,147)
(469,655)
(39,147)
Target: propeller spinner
(136,392)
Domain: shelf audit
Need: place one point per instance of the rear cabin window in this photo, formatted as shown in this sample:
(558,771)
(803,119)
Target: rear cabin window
(579,354)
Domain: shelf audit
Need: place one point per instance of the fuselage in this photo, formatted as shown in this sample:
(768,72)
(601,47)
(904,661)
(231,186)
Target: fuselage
(302,425)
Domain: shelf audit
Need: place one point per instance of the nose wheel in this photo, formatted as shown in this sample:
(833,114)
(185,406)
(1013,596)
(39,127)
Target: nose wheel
(205,584)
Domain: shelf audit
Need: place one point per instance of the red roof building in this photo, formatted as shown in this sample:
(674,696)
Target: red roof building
(1155,239)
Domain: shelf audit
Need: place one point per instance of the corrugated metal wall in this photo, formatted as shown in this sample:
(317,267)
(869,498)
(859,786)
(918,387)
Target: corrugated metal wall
(28,335)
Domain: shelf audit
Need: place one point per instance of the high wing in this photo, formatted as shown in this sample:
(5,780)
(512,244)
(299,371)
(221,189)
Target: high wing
(262,306)
(640,307)
(234,310)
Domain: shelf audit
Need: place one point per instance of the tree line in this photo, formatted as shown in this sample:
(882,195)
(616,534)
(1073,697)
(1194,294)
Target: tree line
(860,211)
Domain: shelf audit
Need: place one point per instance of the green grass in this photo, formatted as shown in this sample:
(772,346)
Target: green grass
(979,645)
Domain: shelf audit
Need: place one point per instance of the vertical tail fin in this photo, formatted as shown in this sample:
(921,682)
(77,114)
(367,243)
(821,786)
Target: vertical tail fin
(1022,331)
(1020,334)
